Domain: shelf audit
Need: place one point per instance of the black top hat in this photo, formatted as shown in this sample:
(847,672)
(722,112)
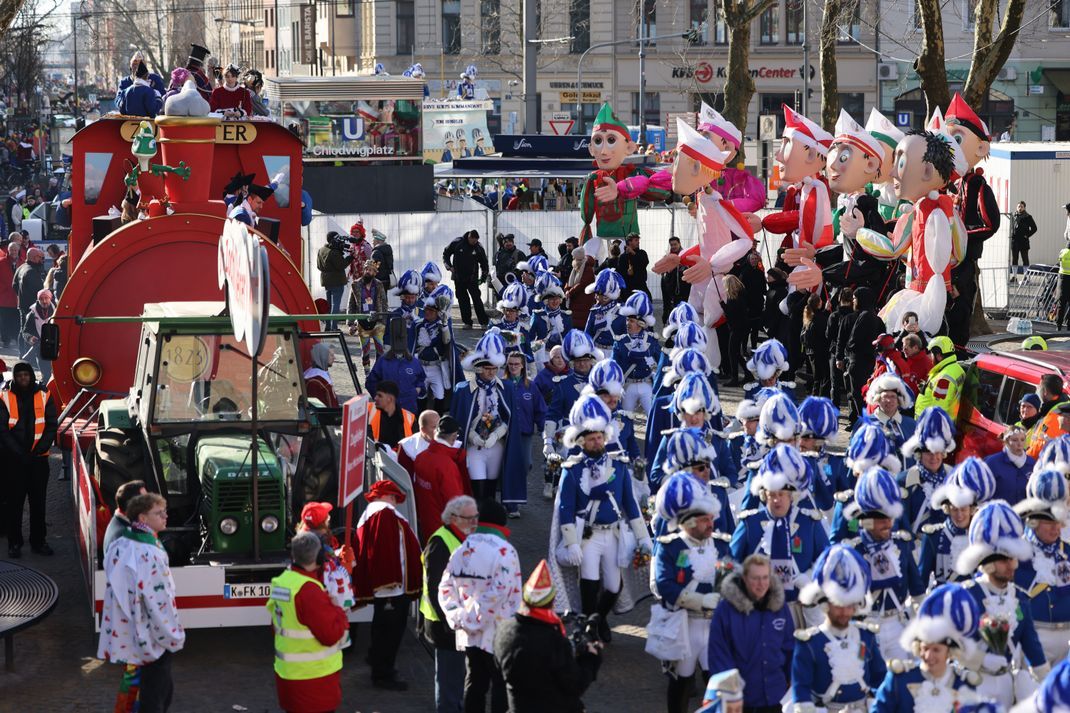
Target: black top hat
(262,192)
(197,54)
(240,180)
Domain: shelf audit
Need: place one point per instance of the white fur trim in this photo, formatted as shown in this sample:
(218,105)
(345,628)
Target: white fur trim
(970,558)
(889,382)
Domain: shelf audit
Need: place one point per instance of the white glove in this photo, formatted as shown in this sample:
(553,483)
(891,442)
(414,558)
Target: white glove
(993,663)
(650,362)
(642,535)
(709,601)
(1040,672)
(548,450)
(574,556)
(689,599)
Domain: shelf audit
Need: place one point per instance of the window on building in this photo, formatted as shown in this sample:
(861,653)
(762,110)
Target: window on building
(967,13)
(854,103)
(1060,14)
(699,12)
(345,8)
(406,23)
(772,104)
(649,8)
(590,112)
(652,111)
(851,25)
(769,26)
(579,19)
(490,15)
(451,26)
(793,20)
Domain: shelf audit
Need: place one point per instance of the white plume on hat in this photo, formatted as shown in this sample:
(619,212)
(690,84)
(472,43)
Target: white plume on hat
(889,382)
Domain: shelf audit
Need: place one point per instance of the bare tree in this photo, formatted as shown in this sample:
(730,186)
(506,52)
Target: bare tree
(738,17)
(162,29)
(496,37)
(930,64)
(8,10)
(991,53)
(21,61)
(831,17)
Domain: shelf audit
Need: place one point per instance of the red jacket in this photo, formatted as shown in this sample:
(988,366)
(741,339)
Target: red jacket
(891,360)
(328,624)
(917,371)
(8,297)
(579,302)
(440,474)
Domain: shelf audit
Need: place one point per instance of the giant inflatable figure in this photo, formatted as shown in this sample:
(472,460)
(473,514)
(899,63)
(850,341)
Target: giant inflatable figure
(737,186)
(925,162)
(610,191)
(882,188)
(724,234)
(977,207)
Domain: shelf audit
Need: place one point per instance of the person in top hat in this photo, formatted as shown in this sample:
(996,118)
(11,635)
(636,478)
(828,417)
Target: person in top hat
(542,672)
(977,206)
(603,321)
(969,486)
(724,693)
(820,419)
(197,57)
(637,351)
(838,664)
(766,364)
(685,575)
(889,552)
(933,441)
(580,353)
(248,211)
(386,574)
(1008,640)
(596,517)
(549,322)
(941,634)
(1046,577)
(609,193)
(790,536)
(401,367)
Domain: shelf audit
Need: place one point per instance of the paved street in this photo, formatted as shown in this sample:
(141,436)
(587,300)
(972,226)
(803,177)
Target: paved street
(220,670)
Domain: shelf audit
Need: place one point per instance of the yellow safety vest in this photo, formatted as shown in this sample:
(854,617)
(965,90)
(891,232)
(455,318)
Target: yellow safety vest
(299,656)
(452,543)
(40,400)
(1064,261)
(943,388)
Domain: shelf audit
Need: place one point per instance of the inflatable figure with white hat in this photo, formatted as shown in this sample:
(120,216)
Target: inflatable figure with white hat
(883,189)
(737,186)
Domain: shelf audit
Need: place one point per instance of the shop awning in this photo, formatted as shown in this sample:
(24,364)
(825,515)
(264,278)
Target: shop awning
(1060,78)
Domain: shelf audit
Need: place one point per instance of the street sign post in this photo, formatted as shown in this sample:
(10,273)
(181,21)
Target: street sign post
(561,124)
(354,449)
(904,118)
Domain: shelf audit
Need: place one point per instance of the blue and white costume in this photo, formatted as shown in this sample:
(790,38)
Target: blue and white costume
(661,418)
(604,323)
(548,325)
(819,420)
(516,332)
(408,284)
(637,353)
(970,485)
(935,433)
(898,427)
(680,315)
(867,449)
(576,346)
(766,364)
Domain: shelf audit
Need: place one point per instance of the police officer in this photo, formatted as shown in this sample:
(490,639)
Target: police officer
(943,387)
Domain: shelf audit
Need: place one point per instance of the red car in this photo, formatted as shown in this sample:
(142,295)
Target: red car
(995,383)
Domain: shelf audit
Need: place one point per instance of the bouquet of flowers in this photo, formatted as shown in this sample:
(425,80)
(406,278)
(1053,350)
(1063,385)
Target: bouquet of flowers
(995,631)
(640,559)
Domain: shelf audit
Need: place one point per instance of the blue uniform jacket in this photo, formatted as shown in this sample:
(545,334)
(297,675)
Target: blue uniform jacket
(1049,602)
(826,472)
(521,327)
(935,560)
(155,80)
(888,590)
(811,672)
(722,466)
(544,382)
(663,363)
(918,510)
(1010,479)
(743,449)
(757,641)
(807,536)
(439,350)
(527,417)
(897,435)
(723,526)
(139,100)
(574,503)
(672,569)
(603,324)
(896,692)
(549,326)
(660,420)
(1025,633)
(526,405)
(750,390)
(408,374)
(637,355)
(567,389)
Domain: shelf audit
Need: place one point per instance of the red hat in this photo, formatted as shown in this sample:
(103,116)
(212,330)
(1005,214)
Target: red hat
(961,113)
(382,488)
(357,229)
(809,133)
(316,514)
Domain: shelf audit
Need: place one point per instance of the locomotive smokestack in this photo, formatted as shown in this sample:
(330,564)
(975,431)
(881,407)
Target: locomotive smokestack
(190,140)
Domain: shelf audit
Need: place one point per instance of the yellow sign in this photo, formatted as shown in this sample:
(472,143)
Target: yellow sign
(184,359)
(226,132)
(569,97)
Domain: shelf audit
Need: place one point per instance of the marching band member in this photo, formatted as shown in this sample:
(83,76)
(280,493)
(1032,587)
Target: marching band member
(766,364)
(408,290)
(890,397)
(693,405)
(549,322)
(603,321)
(515,324)
(970,485)
(660,417)
(778,423)
(934,440)
(580,353)
(867,449)
(820,419)
(636,351)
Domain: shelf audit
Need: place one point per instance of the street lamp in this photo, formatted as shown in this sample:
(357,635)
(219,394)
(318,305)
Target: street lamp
(693,32)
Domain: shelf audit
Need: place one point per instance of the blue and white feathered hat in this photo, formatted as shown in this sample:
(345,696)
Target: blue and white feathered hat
(547,285)
(889,382)
(970,483)
(723,687)
(948,615)
(1045,497)
(489,351)
(535,264)
(638,305)
(689,335)
(681,314)
(996,531)
(819,417)
(1053,696)
(607,376)
(683,496)
(747,410)
(469,72)
(779,418)
(514,296)
(441,298)
(876,493)
(694,394)
(769,359)
(609,283)
(410,283)
(1055,456)
(783,468)
(841,577)
(380,70)
(687,446)
(432,272)
(577,344)
(588,414)
(934,433)
(869,448)
(689,361)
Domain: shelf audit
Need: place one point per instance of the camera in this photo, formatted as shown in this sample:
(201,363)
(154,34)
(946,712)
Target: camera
(581,630)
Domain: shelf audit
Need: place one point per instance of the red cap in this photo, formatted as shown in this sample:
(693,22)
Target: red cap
(316,514)
(961,112)
(383,488)
(357,229)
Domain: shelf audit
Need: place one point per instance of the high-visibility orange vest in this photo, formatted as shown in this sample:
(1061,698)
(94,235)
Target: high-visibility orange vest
(40,398)
(408,419)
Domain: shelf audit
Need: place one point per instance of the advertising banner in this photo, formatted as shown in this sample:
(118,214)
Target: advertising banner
(455,129)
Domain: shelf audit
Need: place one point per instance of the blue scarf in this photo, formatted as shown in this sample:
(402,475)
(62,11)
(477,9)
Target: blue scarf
(927,476)
(1051,550)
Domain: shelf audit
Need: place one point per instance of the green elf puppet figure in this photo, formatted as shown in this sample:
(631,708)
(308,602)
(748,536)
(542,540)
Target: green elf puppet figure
(610,191)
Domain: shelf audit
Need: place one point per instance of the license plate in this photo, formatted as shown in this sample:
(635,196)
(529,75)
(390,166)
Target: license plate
(247,591)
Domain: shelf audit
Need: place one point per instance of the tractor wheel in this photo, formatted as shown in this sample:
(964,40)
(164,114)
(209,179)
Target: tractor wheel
(119,458)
